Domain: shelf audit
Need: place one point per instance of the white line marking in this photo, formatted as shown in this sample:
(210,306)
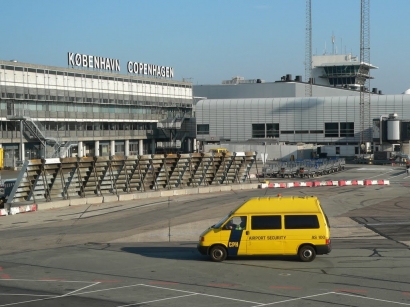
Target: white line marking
(226,298)
(48,280)
(1,294)
(61,296)
(162,299)
(372,299)
(294,299)
(70,293)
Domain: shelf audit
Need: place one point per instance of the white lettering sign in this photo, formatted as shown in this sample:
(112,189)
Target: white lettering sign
(90,61)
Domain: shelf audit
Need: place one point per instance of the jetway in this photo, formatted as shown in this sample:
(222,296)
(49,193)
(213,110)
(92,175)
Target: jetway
(65,178)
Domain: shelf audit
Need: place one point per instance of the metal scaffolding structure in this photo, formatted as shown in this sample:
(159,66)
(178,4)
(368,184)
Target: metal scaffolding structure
(66,178)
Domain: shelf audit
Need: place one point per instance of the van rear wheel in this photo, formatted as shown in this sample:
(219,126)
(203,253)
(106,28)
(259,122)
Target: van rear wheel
(307,253)
(218,253)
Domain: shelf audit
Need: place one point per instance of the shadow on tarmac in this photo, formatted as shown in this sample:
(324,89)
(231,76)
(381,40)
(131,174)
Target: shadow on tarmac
(191,253)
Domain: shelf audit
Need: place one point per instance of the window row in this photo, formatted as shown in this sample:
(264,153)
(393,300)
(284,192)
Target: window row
(272,222)
(30,109)
(97,98)
(272,130)
(88,76)
(76,126)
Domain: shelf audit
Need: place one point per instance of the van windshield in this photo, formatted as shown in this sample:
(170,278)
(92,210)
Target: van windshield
(221,222)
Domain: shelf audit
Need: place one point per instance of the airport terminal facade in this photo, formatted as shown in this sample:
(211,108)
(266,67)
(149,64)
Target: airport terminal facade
(92,109)
(329,122)
(241,111)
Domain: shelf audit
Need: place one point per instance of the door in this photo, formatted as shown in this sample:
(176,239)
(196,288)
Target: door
(265,235)
(233,233)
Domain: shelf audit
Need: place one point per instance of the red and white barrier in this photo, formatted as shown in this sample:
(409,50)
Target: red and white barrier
(23,209)
(3,212)
(339,183)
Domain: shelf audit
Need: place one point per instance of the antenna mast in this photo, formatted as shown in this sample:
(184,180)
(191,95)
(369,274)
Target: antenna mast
(308,50)
(364,72)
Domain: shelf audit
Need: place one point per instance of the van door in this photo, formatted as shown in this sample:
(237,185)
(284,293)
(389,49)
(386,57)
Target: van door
(302,228)
(233,235)
(265,236)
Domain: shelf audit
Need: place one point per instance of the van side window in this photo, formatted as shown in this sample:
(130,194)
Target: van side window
(266,222)
(301,222)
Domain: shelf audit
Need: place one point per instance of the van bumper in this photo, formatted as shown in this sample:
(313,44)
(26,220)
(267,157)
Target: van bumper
(202,249)
(323,249)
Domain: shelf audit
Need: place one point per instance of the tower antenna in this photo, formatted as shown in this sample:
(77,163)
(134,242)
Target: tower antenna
(363,77)
(308,50)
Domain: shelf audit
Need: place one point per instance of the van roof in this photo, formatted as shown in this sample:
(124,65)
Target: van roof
(289,204)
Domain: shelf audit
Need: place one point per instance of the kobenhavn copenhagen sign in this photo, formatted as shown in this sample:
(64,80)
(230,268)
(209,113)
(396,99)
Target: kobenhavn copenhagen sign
(91,61)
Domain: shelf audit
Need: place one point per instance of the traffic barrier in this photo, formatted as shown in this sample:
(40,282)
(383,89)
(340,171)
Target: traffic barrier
(339,183)
(23,209)
(3,212)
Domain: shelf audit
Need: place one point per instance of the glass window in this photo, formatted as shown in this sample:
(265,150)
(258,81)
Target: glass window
(301,222)
(347,129)
(266,222)
(202,129)
(236,223)
(331,130)
(272,130)
(258,130)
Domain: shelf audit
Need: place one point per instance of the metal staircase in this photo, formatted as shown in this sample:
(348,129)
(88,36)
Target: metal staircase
(171,128)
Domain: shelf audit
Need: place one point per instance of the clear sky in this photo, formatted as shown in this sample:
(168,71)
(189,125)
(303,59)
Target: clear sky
(208,41)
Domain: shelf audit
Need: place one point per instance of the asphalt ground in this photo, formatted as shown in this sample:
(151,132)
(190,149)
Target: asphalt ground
(144,253)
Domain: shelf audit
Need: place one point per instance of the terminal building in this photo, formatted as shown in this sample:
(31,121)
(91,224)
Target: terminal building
(90,109)
(240,111)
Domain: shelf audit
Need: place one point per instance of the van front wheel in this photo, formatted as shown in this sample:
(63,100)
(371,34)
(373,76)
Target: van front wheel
(218,253)
(307,253)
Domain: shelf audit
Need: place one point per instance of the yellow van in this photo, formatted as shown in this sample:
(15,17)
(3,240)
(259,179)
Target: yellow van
(270,226)
(218,150)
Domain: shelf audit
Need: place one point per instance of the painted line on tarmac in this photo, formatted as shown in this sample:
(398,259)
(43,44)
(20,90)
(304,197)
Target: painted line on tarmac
(203,294)
(158,300)
(49,280)
(72,292)
(294,299)
(41,295)
(372,299)
(350,290)
(60,296)
(163,283)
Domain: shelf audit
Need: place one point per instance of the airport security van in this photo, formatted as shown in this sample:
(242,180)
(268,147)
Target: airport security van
(270,226)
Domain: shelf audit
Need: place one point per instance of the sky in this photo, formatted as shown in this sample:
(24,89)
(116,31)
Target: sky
(210,40)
